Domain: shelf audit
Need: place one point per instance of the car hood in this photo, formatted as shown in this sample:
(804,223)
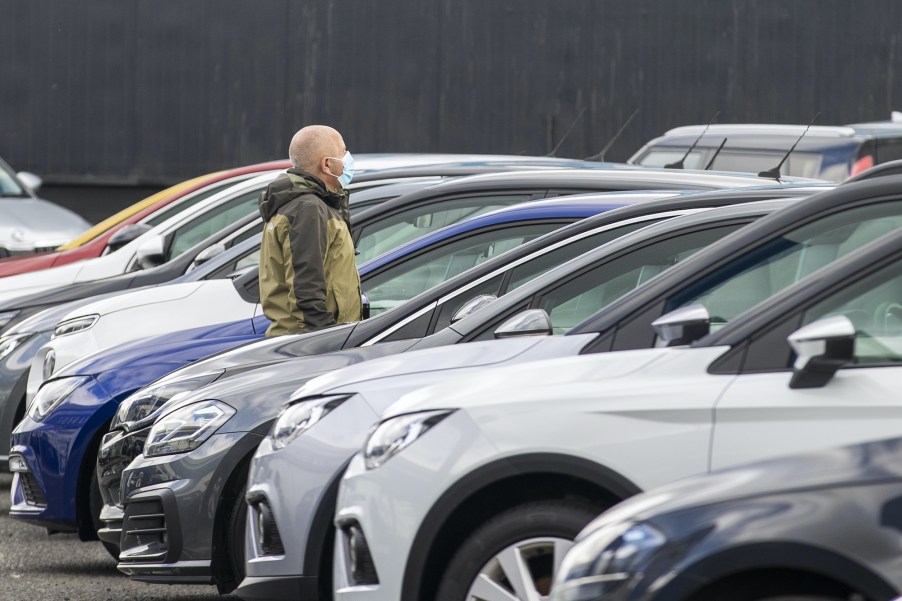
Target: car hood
(259,394)
(530,380)
(46,320)
(859,464)
(39,222)
(145,296)
(473,354)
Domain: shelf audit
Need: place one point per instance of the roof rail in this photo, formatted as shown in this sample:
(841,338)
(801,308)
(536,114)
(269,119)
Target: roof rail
(764,129)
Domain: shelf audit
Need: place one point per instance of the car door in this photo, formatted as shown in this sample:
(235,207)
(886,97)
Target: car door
(760,416)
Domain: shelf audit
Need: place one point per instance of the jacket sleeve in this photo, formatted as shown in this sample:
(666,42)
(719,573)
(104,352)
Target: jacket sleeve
(308,240)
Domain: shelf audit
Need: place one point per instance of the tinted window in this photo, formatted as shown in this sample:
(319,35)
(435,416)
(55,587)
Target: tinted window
(800,164)
(402,282)
(582,296)
(659,157)
(212,221)
(181,204)
(389,233)
(764,271)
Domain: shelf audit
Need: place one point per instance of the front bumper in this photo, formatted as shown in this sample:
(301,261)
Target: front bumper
(170,510)
(387,507)
(117,450)
(298,485)
(54,451)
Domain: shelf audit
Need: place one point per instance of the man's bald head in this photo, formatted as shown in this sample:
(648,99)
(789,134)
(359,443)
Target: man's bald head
(311,145)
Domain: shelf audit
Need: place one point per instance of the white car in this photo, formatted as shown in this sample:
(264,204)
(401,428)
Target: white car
(475,489)
(176,234)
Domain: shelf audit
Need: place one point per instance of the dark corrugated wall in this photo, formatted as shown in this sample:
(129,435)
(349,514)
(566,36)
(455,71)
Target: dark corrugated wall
(155,91)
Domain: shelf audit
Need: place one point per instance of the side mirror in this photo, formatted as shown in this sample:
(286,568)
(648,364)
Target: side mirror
(364,306)
(30,179)
(682,326)
(151,253)
(472,306)
(532,322)
(821,348)
(126,234)
(206,254)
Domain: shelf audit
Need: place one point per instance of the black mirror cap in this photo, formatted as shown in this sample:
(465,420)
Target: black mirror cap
(364,306)
(682,326)
(821,349)
(532,322)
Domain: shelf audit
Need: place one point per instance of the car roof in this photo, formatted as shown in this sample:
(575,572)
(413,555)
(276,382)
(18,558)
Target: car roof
(718,253)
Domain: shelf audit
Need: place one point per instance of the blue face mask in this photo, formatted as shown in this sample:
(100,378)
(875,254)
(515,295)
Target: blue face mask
(347,170)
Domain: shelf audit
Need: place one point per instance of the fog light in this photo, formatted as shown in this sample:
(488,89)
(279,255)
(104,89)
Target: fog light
(360,560)
(17,464)
(270,539)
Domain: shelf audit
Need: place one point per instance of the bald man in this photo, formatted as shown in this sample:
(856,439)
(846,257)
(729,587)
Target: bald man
(308,275)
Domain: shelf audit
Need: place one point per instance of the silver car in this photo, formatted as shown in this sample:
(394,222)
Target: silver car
(28,223)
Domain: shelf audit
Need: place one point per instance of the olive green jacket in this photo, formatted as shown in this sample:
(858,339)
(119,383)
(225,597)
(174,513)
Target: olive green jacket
(308,275)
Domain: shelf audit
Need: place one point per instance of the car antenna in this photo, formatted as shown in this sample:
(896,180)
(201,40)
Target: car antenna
(717,152)
(775,172)
(600,156)
(679,164)
(567,133)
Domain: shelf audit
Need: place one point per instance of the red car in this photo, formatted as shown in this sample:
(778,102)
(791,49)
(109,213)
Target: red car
(95,241)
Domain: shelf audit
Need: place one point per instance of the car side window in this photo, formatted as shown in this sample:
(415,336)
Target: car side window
(212,221)
(874,306)
(386,234)
(447,309)
(180,205)
(591,290)
(778,263)
(401,282)
(535,267)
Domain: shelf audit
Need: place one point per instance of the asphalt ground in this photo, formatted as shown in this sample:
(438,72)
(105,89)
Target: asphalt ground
(37,567)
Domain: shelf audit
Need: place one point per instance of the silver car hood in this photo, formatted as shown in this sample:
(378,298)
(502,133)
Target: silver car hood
(38,223)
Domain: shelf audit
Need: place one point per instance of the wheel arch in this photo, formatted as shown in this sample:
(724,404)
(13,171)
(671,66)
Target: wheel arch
(737,563)
(499,485)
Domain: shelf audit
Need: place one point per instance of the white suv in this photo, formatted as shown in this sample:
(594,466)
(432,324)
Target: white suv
(474,489)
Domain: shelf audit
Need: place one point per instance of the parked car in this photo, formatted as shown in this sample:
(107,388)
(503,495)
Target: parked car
(482,485)
(29,224)
(257,396)
(819,525)
(131,222)
(64,500)
(827,152)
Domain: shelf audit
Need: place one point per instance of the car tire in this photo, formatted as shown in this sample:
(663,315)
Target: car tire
(232,560)
(95,505)
(535,532)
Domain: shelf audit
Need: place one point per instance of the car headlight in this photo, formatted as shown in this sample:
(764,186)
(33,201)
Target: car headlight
(142,406)
(6,317)
(49,364)
(301,416)
(397,433)
(604,560)
(77,324)
(51,394)
(186,428)
(10,343)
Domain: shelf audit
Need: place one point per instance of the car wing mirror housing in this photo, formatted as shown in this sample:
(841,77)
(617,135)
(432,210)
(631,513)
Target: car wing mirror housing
(214,250)
(532,322)
(821,348)
(151,253)
(31,180)
(126,234)
(682,326)
(364,306)
(472,306)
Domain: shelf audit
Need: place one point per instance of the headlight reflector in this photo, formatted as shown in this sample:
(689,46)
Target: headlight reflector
(10,343)
(76,324)
(397,433)
(301,416)
(186,428)
(144,404)
(604,560)
(51,394)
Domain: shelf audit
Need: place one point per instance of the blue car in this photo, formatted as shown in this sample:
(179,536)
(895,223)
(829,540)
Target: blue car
(53,449)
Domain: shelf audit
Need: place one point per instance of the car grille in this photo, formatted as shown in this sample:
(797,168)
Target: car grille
(33,493)
(144,531)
